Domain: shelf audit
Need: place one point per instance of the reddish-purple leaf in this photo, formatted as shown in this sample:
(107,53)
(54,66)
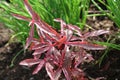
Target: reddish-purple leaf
(37,56)
(50,39)
(56,54)
(21,17)
(57,74)
(86,45)
(38,46)
(30,10)
(62,24)
(43,28)
(41,50)
(68,26)
(96,33)
(66,73)
(76,38)
(51,29)
(39,67)
(60,43)
(75,28)
(30,38)
(30,62)
(49,69)
(69,34)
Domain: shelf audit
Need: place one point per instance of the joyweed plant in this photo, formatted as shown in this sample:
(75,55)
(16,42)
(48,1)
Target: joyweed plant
(59,52)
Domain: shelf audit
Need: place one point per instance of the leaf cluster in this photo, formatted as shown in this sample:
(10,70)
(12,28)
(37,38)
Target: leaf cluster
(57,51)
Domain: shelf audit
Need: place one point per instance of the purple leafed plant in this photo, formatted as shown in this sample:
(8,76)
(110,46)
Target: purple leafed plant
(63,51)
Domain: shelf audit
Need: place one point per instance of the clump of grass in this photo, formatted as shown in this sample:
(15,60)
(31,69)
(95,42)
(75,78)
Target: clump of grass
(114,7)
(16,25)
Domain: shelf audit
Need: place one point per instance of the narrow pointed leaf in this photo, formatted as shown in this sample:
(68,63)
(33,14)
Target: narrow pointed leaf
(29,62)
(49,38)
(30,10)
(69,26)
(57,74)
(62,24)
(21,17)
(41,50)
(69,34)
(51,29)
(96,33)
(38,46)
(67,75)
(30,38)
(49,69)
(75,28)
(86,45)
(39,67)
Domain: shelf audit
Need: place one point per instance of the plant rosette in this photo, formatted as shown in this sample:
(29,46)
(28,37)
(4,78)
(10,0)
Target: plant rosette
(57,47)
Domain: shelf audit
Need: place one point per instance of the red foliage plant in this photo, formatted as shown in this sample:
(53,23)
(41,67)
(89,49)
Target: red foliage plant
(59,48)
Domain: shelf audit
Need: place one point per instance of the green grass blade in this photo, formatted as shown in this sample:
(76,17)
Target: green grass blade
(114,7)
